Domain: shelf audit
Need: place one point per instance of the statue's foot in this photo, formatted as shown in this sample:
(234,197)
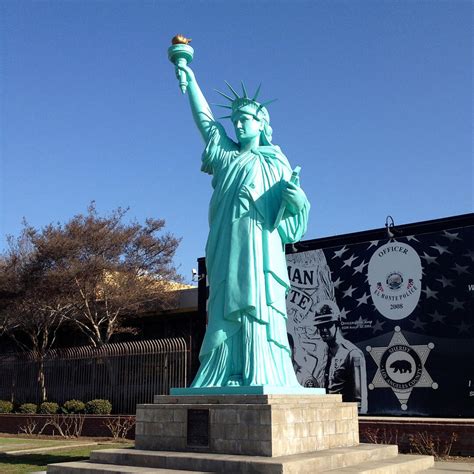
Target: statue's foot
(234,381)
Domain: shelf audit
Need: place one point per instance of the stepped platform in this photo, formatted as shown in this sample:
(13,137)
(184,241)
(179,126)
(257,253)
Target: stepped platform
(275,433)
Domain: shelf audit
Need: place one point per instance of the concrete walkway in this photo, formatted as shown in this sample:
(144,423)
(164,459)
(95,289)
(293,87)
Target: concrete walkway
(439,468)
(446,467)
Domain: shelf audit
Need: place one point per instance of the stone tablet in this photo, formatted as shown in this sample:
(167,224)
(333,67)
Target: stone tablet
(197,434)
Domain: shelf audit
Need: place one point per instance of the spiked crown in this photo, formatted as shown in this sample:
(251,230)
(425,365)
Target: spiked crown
(238,102)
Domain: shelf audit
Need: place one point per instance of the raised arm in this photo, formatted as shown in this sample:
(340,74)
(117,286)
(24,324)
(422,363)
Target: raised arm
(200,108)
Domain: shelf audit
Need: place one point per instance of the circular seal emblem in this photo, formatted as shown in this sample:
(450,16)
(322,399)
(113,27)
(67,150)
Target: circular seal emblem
(401,367)
(395,279)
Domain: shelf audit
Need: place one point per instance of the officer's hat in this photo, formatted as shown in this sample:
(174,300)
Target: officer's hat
(326,312)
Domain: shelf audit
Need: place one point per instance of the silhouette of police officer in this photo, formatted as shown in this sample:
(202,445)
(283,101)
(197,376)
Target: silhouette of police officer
(343,364)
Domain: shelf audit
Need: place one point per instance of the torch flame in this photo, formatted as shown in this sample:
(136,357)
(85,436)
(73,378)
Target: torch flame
(180,39)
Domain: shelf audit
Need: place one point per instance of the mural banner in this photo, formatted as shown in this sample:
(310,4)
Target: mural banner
(388,323)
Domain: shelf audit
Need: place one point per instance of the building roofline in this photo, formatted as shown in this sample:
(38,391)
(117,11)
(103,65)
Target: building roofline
(421,227)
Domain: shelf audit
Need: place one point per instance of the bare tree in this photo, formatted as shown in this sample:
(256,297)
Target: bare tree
(31,309)
(94,272)
(108,270)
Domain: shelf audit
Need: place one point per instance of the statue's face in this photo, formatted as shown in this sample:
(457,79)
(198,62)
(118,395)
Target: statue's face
(247,127)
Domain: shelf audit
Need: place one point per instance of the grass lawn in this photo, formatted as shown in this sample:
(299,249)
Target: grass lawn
(22,463)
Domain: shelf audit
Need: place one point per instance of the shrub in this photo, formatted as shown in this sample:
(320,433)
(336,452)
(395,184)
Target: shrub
(99,407)
(120,426)
(6,406)
(28,408)
(74,406)
(431,445)
(48,408)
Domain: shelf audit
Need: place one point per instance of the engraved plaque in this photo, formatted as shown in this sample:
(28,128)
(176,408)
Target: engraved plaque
(198,428)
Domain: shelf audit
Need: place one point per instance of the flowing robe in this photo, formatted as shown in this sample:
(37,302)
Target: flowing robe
(246,337)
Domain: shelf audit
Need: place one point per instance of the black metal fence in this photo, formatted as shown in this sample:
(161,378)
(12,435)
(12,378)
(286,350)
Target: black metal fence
(124,373)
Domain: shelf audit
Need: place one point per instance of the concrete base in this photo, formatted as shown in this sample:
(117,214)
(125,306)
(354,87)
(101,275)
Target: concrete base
(255,425)
(280,434)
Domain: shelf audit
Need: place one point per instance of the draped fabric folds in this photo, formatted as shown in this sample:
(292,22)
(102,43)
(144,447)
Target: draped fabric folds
(246,338)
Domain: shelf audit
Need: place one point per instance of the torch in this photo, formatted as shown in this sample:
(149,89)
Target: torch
(180,54)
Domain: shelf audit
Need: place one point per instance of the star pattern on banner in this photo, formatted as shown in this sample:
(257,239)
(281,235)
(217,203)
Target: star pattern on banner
(437,318)
(348,262)
(451,236)
(344,313)
(373,243)
(348,292)
(360,268)
(363,299)
(445,281)
(418,324)
(459,269)
(445,304)
(430,293)
(440,249)
(339,253)
(428,258)
(463,327)
(378,326)
(455,304)
(401,367)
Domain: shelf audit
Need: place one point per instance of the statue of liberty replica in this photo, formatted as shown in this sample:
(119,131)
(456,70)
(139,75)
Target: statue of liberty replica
(257,207)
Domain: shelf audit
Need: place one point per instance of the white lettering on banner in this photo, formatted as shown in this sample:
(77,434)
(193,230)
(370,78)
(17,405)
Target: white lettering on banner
(301,277)
(301,300)
(395,274)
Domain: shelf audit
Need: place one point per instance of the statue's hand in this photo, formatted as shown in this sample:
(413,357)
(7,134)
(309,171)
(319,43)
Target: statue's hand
(186,70)
(293,197)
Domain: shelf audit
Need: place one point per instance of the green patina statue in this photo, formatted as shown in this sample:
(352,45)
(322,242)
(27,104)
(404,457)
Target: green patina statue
(256,208)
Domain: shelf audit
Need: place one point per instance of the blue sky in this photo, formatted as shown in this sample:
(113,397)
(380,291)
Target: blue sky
(374,103)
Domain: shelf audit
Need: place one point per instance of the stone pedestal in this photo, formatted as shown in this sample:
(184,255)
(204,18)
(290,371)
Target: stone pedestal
(256,425)
(266,433)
